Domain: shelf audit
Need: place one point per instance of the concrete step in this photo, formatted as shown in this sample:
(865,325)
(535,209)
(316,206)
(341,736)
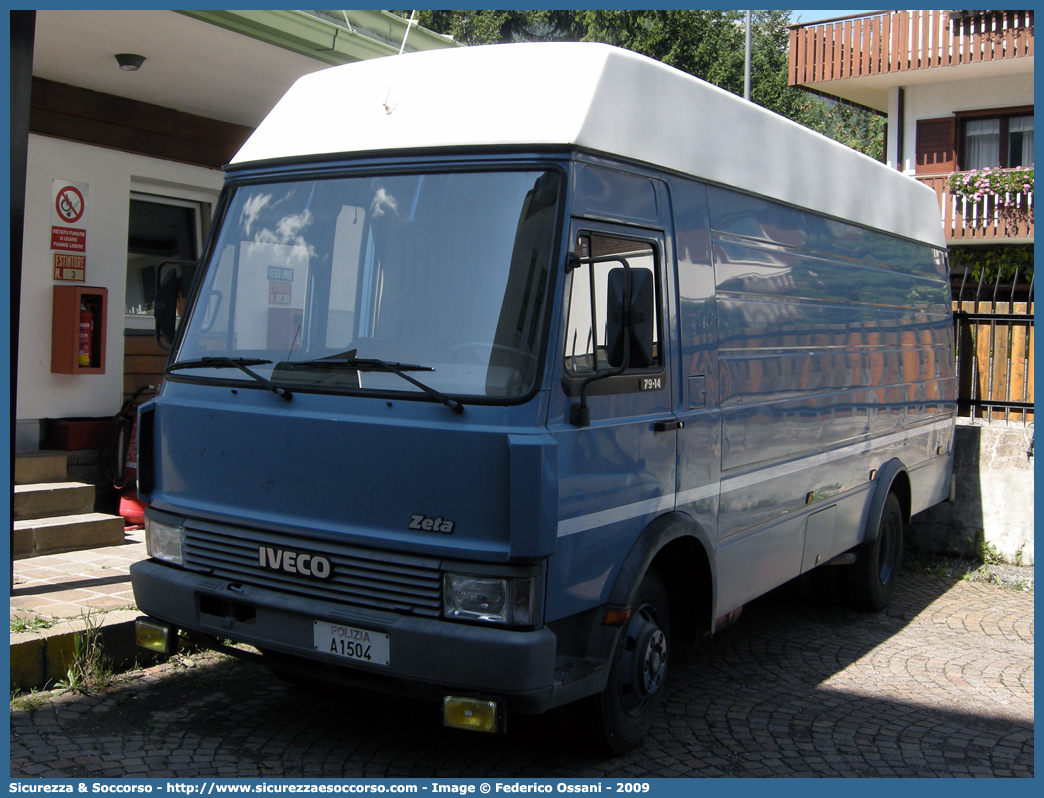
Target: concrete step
(43,466)
(39,659)
(52,499)
(32,537)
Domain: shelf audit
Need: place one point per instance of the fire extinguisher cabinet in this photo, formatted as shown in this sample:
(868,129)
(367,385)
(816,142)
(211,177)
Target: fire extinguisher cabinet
(78,329)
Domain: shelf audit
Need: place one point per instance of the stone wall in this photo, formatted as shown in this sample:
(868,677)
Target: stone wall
(993,505)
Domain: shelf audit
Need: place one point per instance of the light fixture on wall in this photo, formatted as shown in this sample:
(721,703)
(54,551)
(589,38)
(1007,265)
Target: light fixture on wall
(130,62)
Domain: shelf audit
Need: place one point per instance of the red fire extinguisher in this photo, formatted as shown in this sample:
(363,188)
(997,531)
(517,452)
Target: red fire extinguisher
(118,458)
(86,334)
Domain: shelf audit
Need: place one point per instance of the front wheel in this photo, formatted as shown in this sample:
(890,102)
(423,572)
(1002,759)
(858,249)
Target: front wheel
(624,710)
(877,564)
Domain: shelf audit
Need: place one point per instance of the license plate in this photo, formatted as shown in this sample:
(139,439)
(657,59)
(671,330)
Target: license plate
(348,642)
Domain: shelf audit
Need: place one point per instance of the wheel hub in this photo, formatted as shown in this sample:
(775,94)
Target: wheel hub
(645,659)
(655,662)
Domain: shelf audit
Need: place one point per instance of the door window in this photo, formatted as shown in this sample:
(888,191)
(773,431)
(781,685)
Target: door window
(593,342)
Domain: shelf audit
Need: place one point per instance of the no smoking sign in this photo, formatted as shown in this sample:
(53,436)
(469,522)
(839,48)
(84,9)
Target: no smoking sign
(69,231)
(69,204)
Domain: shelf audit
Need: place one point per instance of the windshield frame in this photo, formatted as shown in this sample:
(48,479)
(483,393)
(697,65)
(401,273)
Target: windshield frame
(255,175)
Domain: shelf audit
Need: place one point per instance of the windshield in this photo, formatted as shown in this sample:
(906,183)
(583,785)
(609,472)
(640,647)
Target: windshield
(443,276)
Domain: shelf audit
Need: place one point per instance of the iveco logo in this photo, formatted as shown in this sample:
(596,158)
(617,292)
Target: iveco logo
(293,562)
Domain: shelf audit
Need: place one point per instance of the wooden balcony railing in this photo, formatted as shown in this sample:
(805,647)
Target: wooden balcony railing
(969,220)
(899,41)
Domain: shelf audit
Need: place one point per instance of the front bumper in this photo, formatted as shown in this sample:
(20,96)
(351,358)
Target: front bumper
(428,657)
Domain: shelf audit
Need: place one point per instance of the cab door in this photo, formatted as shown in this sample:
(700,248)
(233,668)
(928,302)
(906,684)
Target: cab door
(617,466)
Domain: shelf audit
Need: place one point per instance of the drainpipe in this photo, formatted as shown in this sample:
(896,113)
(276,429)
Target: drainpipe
(900,129)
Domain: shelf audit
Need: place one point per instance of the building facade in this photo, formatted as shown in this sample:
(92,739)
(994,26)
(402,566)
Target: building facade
(131,116)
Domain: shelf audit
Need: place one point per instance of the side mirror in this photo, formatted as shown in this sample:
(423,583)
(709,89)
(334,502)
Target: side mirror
(640,323)
(166,308)
(168,289)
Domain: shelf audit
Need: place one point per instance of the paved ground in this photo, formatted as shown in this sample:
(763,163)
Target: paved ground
(67,585)
(941,684)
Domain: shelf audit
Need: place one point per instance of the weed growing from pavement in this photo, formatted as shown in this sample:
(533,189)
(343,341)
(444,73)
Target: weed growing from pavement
(27,702)
(990,568)
(32,624)
(90,668)
(988,554)
(982,574)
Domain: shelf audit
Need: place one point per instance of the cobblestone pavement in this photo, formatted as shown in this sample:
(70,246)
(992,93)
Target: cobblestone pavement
(939,684)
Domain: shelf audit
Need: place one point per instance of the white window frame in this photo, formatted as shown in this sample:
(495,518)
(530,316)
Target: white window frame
(181,199)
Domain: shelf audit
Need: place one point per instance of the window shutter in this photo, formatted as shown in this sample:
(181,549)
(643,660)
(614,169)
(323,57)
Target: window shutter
(936,146)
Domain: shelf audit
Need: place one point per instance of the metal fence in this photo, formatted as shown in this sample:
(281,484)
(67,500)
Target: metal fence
(993,323)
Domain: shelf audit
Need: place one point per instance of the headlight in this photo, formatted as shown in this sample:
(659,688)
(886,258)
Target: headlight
(511,601)
(163,541)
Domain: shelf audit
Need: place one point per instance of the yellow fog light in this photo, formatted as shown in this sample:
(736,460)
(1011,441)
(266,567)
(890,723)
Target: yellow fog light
(472,714)
(155,636)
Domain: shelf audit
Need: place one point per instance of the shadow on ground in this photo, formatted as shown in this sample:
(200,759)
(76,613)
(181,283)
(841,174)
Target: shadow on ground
(939,684)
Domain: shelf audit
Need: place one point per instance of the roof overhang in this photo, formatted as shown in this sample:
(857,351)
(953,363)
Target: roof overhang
(232,66)
(872,91)
(333,37)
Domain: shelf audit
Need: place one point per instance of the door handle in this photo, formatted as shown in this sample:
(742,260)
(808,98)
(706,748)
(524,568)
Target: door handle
(668,425)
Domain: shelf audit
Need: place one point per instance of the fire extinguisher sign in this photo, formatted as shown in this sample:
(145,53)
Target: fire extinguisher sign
(69,230)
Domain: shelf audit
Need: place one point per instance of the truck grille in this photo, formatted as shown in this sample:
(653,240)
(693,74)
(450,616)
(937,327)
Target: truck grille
(379,580)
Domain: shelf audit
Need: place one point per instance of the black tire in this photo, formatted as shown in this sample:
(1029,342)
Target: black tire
(623,711)
(877,564)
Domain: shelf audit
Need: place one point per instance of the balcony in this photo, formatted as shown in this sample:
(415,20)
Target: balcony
(968,221)
(894,42)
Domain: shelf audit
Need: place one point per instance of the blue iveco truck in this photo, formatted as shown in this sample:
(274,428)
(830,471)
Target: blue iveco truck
(506,368)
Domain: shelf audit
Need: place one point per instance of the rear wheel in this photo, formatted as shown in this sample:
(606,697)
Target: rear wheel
(877,564)
(624,710)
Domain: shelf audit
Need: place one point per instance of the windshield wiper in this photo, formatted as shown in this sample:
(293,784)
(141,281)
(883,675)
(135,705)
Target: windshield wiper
(349,360)
(240,363)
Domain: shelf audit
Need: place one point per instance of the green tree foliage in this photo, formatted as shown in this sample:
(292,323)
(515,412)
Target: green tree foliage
(501,26)
(854,127)
(706,43)
(988,264)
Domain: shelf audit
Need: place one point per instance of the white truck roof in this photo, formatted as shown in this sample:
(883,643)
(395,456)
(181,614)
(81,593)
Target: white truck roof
(596,97)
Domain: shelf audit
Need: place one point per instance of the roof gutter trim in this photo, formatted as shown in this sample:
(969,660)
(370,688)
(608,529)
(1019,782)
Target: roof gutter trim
(313,36)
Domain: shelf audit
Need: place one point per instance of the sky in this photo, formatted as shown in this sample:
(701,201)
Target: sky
(818,14)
